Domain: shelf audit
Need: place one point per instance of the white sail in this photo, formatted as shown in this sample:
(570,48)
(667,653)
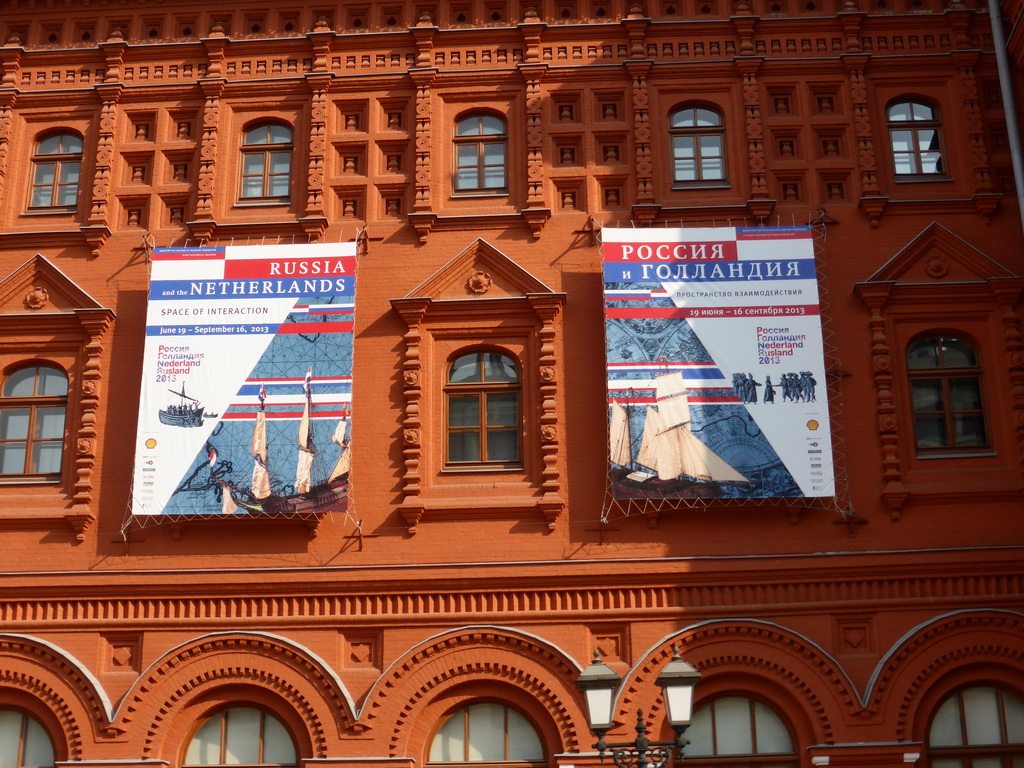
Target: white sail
(345,460)
(648,455)
(303,471)
(673,404)
(680,452)
(260,476)
(227,505)
(618,436)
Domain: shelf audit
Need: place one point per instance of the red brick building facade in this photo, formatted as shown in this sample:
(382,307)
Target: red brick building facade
(881,628)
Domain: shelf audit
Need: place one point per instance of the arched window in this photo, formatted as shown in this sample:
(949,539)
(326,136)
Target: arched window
(241,736)
(945,389)
(481,143)
(56,167)
(23,741)
(33,403)
(698,146)
(490,733)
(915,134)
(482,398)
(977,728)
(267,162)
(736,727)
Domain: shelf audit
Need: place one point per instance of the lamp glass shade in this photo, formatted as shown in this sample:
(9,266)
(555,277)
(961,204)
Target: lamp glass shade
(679,703)
(599,708)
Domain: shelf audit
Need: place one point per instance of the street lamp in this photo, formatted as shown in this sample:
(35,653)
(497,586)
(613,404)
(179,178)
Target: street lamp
(599,683)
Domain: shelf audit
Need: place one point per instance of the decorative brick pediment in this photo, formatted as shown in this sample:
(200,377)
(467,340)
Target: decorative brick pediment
(937,255)
(38,286)
(480,271)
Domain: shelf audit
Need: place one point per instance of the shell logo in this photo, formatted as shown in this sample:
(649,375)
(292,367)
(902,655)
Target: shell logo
(813,424)
(151,443)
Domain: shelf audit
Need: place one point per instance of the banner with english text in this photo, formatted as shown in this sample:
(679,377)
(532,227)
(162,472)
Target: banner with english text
(716,379)
(247,381)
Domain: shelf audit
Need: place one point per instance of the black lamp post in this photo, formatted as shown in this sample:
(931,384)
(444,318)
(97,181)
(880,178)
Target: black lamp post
(599,684)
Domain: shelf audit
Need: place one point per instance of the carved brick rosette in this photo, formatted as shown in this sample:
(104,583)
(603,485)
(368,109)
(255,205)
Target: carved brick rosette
(319,85)
(7,99)
(110,94)
(208,143)
(975,125)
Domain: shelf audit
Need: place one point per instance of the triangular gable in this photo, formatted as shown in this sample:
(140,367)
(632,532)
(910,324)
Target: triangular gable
(38,286)
(480,271)
(935,255)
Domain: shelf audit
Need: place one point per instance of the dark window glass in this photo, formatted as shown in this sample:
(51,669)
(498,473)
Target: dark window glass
(56,168)
(915,134)
(483,403)
(698,146)
(33,404)
(481,162)
(946,395)
(266,163)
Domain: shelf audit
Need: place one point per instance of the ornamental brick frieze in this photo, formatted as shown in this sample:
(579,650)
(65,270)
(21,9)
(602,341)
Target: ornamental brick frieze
(1013,347)
(264,662)
(965,638)
(470,654)
(983,188)
(7,100)
(765,651)
(31,666)
(701,599)
(95,323)
(759,203)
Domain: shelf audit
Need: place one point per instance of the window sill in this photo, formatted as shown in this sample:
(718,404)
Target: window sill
(262,203)
(477,195)
(29,480)
(50,211)
(985,453)
(451,469)
(683,185)
(921,178)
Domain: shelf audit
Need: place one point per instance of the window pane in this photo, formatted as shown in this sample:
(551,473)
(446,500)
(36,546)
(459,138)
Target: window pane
(970,429)
(71,145)
(931,162)
(38,749)
(277,743)
(981,709)
(466,179)
(67,194)
(732,727)
(464,446)
(502,444)
(465,369)
(278,186)
(711,146)
(252,163)
(902,141)
(502,410)
(898,112)
(50,146)
(468,127)
(69,173)
(51,383)
(494,154)
(684,118)
(923,354)
(45,173)
(46,457)
(772,735)
(12,458)
(49,423)
(699,733)
(921,111)
(945,730)
(21,383)
(957,354)
(494,178)
(463,411)
(252,186)
(686,170)
(486,732)
(499,368)
(683,146)
(927,394)
(10,737)
(931,432)
(42,197)
(713,169)
(491,125)
(467,155)
(280,162)
(242,741)
(1014,709)
(523,743)
(706,117)
(965,394)
(449,744)
(947,764)
(278,134)
(14,423)
(204,749)
(257,135)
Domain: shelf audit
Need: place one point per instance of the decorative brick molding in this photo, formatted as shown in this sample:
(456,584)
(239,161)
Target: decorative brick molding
(263,662)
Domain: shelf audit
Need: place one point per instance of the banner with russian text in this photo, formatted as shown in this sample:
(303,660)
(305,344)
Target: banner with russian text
(247,381)
(715,364)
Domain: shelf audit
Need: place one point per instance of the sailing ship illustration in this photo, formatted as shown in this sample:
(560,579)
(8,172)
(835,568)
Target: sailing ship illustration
(676,458)
(188,412)
(308,496)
